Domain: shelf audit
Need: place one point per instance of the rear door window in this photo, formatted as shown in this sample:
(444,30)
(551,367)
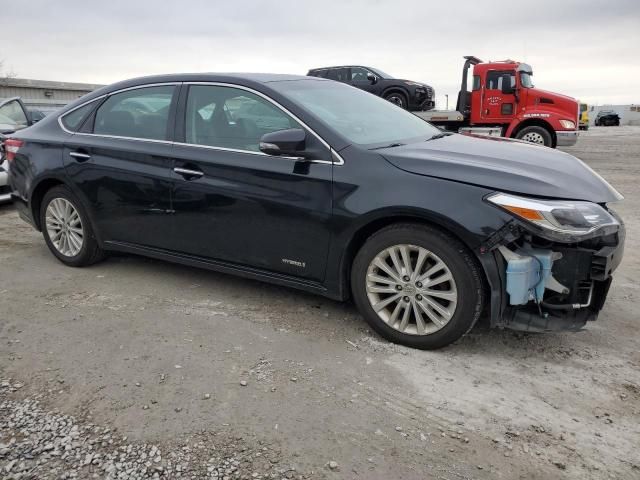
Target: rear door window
(342,74)
(139,113)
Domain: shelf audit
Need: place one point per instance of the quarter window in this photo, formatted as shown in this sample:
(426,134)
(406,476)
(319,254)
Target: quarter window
(476,82)
(74,120)
(139,113)
(228,117)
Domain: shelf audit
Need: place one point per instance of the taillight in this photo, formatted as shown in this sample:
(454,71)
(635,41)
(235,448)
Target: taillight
(11,147)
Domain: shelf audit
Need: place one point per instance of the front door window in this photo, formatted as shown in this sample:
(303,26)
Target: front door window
(232,118)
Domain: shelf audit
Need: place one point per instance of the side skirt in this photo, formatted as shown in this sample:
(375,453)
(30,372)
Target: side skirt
(220,266)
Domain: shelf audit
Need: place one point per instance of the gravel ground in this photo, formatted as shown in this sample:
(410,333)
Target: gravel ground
(135,368)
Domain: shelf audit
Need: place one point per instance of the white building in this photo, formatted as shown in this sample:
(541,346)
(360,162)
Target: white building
(43,95)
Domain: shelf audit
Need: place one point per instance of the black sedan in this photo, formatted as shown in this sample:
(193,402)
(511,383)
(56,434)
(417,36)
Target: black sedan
(313,184)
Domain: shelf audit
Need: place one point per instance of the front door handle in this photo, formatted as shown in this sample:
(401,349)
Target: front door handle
(80,156)
(188,173)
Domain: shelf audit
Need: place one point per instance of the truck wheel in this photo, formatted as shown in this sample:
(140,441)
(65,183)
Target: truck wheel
(397,98)
(417,286)
(535,134)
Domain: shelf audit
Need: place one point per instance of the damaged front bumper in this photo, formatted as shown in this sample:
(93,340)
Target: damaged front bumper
(549,285)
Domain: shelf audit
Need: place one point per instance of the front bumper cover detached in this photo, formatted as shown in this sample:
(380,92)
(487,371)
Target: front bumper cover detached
(585,269)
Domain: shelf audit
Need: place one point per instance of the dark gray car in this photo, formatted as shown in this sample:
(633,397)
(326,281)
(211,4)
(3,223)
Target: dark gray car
(410,95)
(13,117)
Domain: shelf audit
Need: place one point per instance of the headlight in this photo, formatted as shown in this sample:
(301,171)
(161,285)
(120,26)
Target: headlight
(414,84)
(561,220)
(568,124)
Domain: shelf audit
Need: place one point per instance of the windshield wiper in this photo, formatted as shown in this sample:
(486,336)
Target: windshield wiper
(391,145)
(439,135)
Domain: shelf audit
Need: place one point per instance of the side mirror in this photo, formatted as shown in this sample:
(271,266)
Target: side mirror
(506,85)
(372,78)
(288,143)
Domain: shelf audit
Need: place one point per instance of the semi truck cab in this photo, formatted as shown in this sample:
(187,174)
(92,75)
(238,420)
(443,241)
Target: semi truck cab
(500,99)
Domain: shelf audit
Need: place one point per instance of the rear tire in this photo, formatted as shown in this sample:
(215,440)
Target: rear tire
(535,134)
(67,230)
(442,286)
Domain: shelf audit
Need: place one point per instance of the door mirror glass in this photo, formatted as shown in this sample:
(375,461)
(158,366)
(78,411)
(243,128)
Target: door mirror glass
(289,143)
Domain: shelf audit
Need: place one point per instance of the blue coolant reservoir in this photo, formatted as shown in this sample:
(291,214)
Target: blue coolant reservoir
(528,270)
(545,259)
(523,274)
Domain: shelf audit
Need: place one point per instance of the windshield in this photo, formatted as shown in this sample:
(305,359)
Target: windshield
(526,79)
(380,73)
(362,118)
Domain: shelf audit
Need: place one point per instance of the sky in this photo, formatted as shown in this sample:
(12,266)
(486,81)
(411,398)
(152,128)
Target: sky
(587,49)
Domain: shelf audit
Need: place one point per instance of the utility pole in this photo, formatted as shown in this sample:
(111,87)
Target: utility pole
(447,97)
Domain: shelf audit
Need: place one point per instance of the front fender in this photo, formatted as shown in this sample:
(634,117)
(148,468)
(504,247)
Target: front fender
(364,206)
(549,117)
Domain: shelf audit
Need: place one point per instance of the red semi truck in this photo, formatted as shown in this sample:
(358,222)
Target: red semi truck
(502,101)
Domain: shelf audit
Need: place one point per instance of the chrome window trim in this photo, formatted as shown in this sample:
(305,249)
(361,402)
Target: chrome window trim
(60,117)
(339,160)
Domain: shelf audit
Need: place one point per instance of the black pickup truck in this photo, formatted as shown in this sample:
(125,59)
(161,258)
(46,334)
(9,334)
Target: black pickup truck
(410,95)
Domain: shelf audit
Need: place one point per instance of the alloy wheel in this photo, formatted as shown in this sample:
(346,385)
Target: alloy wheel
(64,227)
(396,99)
(411,289)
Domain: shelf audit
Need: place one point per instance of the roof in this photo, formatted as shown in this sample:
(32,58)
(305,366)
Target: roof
(339,66)
(246,79)
(213,77)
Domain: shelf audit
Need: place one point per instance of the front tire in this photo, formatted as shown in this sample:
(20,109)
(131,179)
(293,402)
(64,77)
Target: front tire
(398,99)
(535,134)
(67,230)
(417,286)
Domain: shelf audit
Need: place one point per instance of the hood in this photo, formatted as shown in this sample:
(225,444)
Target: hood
(403,80)
(538,92)
(567,105)
(504,165)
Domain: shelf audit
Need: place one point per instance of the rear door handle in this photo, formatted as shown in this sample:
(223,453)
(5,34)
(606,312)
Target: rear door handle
(188,173)
(80,156)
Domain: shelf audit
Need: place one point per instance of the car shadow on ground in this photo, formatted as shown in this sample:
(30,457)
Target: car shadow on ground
(309,314)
